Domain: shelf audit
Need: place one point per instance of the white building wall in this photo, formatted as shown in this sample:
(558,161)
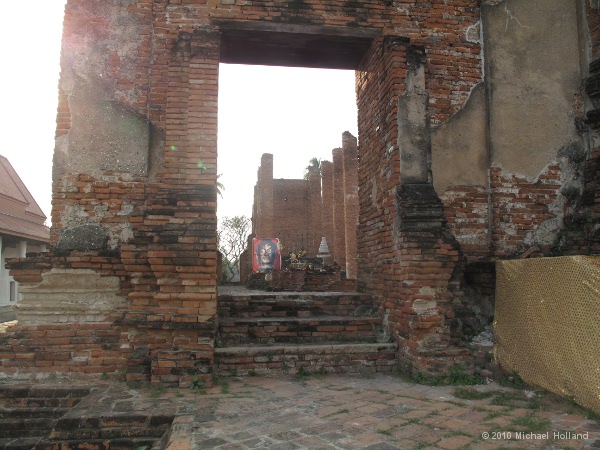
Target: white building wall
(17,250)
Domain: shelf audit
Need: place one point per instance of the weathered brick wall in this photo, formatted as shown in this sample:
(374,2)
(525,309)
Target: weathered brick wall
(339,217)
(593,22)
(466,211)
(71,349)
(379,171)
(520,206)
(291,214)
(290,210)
(264,207)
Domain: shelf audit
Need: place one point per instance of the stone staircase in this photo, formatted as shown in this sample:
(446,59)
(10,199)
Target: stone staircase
(28,414)
(45,418)
(270,333)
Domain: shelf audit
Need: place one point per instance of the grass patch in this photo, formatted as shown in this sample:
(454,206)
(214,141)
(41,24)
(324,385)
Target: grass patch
(303,372)
(471,394)
(457,433)
(456,377)
(421,445)
(385,432)
(531,424)
(513,380)
(510,399)
(197,385)
(157,391)
(591,415)
(224,387)
(341,411)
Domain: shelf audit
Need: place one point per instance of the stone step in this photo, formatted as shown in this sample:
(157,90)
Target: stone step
(19,412)
(47,403)
(40,397)
(107,433)
(19,443)
(241,302)
(111,427)
(25,427)
(305,359)
(332,329)
(98,444)
(15,391)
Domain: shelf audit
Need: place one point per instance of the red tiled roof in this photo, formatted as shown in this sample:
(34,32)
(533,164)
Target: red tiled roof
(20,227)
(20,214)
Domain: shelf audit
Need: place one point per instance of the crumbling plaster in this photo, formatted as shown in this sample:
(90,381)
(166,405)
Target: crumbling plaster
(459,155)
(531,52)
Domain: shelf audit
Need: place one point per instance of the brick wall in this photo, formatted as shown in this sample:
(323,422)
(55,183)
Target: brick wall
(520,206)
(593,22)
(315,229)
(157,61)
(327,198)
(339,215)
(378,88)
(350,196)
(289,210)
(291,214)
(467,213)
(72,349)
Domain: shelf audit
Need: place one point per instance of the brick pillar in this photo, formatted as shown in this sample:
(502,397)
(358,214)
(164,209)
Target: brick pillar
(427,255)
(174,297)
(350,165)
(315,228)
(339,227)
(264,204)
(327,195)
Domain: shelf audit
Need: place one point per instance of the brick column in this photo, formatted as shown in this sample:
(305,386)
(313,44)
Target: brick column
(350,165)
(315,228)
(264,204)
(175,293)
(327,195)
(339,231)
(427,255)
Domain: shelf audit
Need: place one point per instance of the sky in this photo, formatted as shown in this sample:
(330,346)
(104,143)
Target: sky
(294,113)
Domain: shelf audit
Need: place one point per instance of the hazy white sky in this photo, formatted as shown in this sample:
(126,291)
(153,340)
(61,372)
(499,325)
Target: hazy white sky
(295,114)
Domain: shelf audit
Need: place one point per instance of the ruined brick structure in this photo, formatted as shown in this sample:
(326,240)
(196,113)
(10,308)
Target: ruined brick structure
(294,211)
(477,140)
(300,212)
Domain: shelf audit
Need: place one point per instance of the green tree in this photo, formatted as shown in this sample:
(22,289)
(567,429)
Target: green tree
(232,237)
(314,164)
(220,187)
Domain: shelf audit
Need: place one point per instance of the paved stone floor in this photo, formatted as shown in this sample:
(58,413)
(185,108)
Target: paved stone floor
(379,412)
(349,412)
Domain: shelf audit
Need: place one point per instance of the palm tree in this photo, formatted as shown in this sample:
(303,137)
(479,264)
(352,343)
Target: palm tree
(220,187)
(314,164)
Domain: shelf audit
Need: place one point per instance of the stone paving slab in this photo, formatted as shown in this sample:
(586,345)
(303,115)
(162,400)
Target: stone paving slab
(382,412)
(347,412)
